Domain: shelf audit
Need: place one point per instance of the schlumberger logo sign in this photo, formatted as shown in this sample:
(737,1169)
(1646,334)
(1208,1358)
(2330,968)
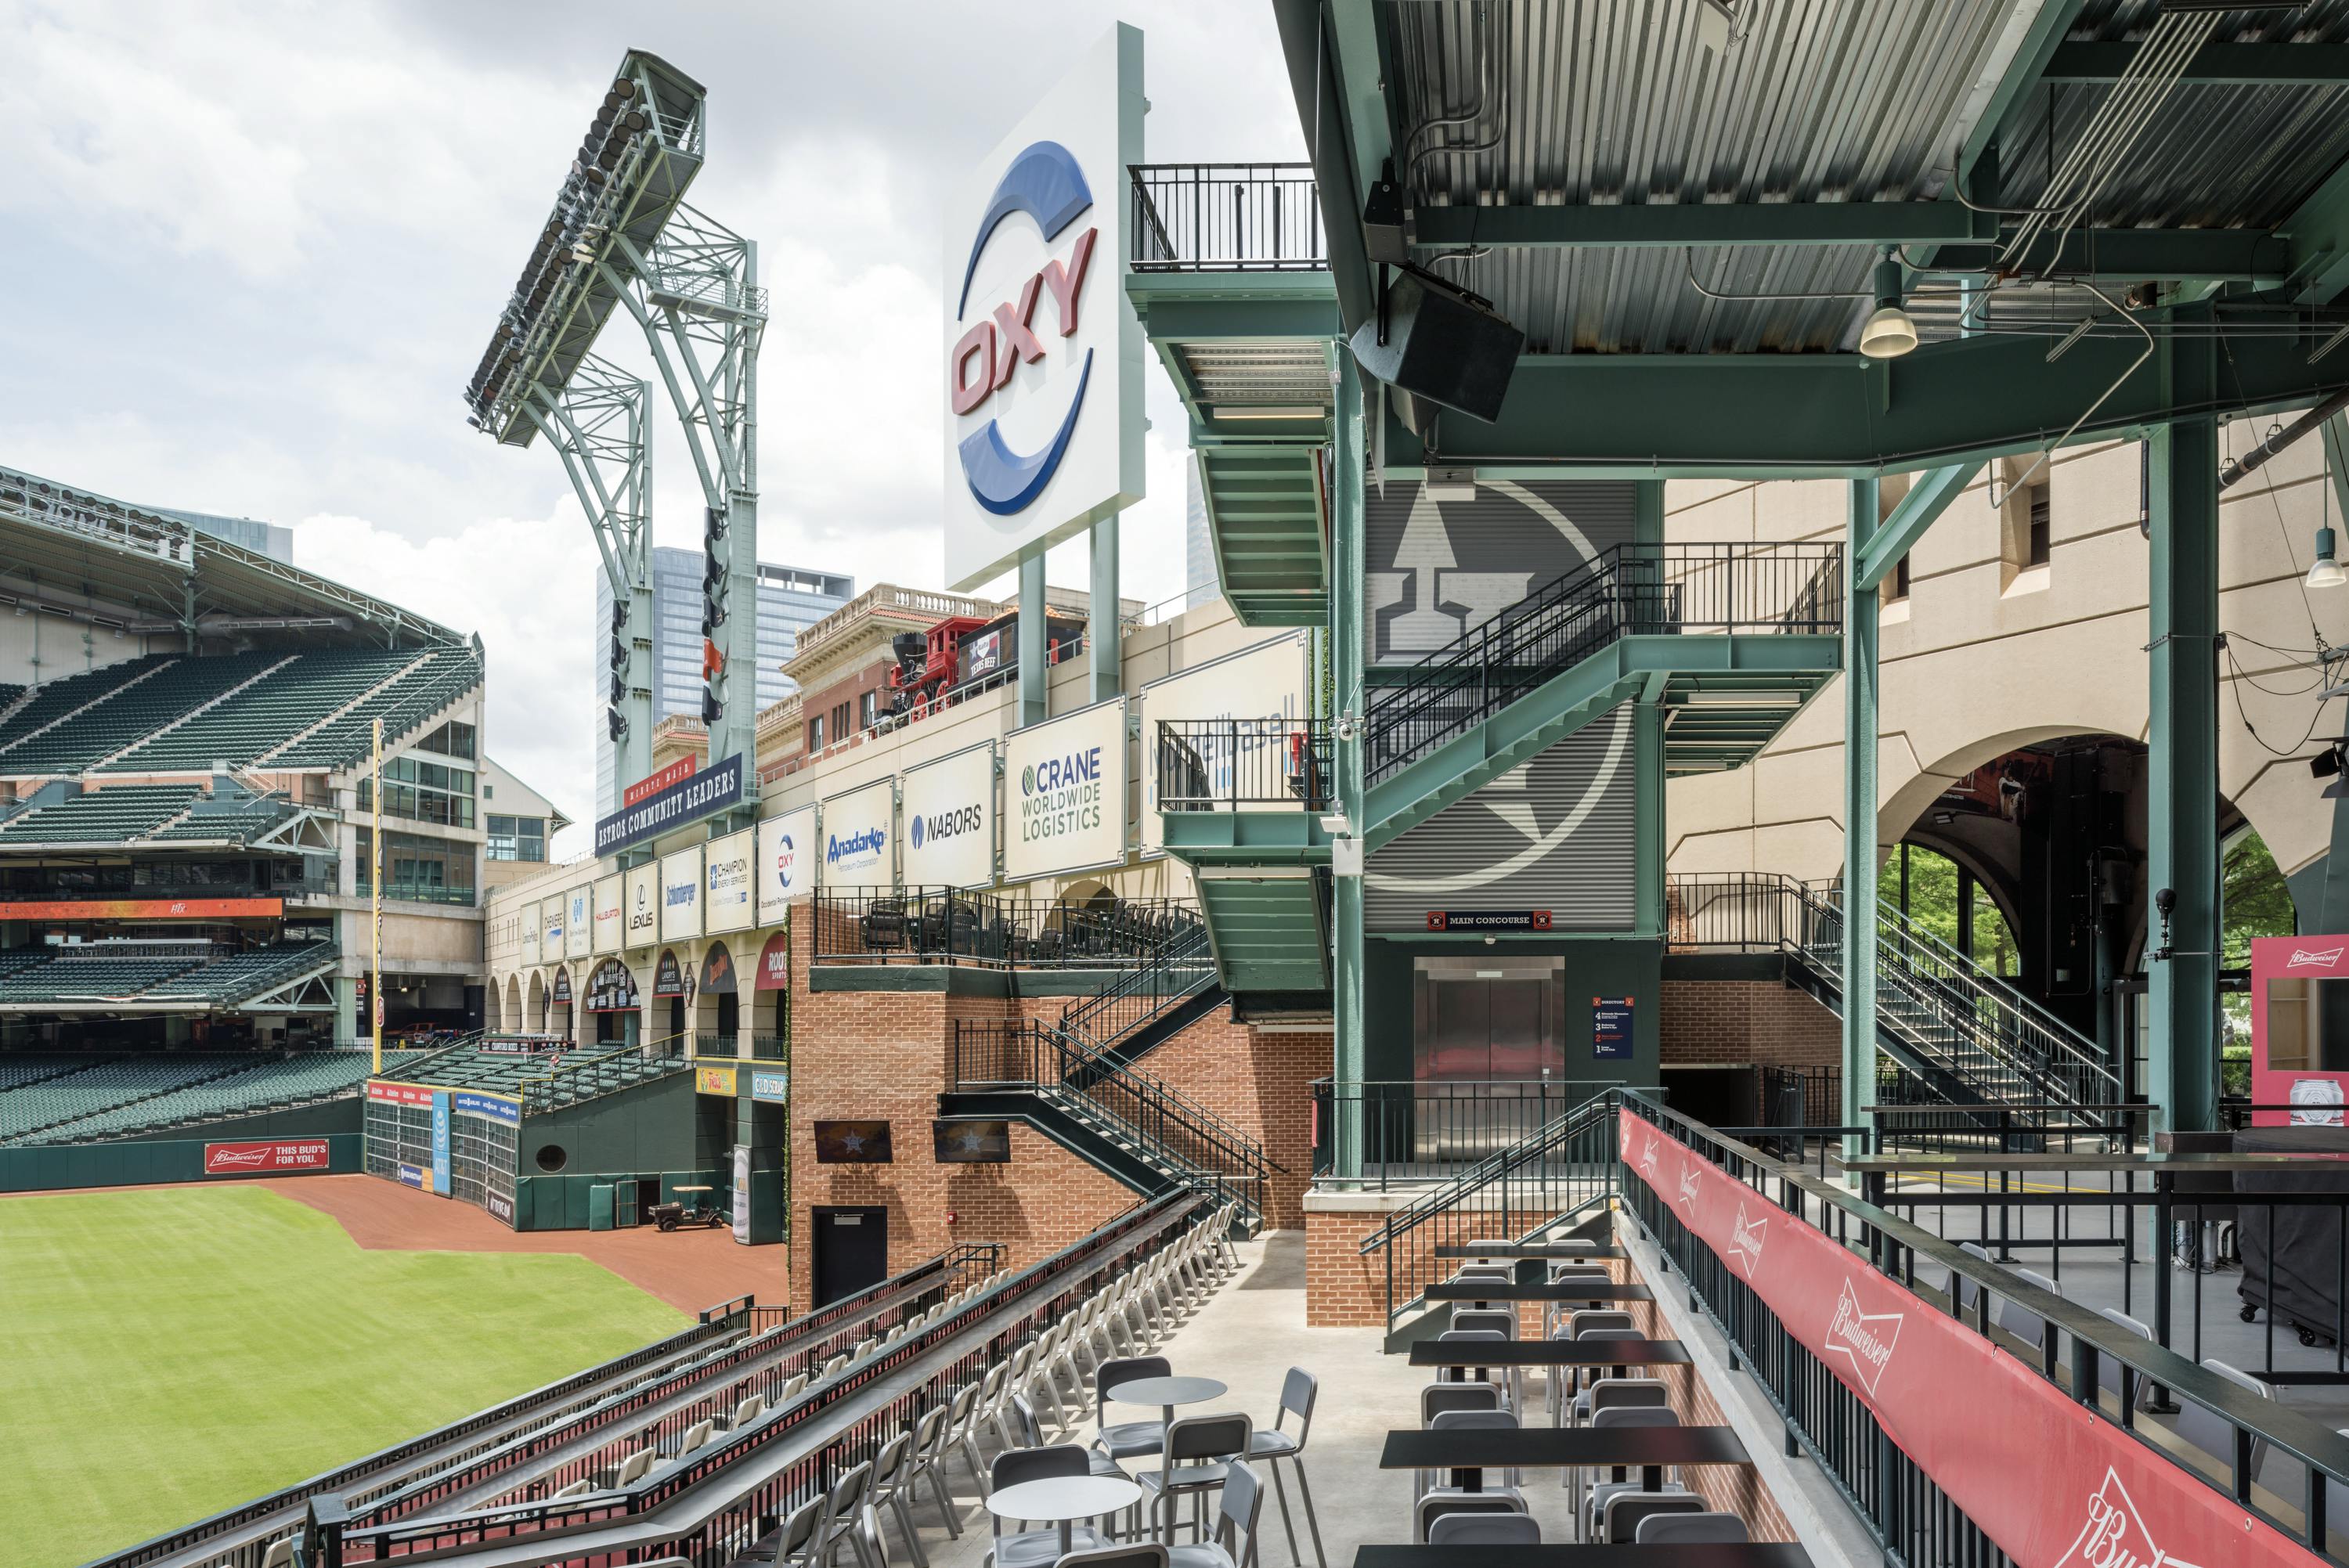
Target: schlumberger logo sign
(1061,795)
(1045,182)
(837,849)
(681,894)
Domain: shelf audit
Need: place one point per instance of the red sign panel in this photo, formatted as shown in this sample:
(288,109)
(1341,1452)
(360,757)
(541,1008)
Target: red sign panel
(775,964)
(399,1093)
(1972,1416)
(653,783)
(143,908)
(258,1158)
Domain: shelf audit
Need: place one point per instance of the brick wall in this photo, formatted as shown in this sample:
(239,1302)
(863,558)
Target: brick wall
(1745,1021)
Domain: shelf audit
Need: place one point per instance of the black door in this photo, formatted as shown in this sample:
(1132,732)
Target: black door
(852,1252)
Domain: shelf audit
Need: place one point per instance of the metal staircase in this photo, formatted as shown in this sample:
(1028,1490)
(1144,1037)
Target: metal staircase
(1151,1002)
(1972,1037)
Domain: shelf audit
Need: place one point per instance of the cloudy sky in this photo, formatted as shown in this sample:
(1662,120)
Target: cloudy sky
(256,250)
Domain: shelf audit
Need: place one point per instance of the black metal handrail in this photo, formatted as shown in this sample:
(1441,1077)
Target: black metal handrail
(1627,589)
(1179,967)
(1903,1506)
(958,926)
(1225,763)
(1226,218)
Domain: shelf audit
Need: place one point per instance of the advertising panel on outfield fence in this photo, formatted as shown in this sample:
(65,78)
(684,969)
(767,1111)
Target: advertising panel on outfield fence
(714,1080)
(788,858)
(860,836)
(680,894)
(643,917)
(578,936)
(266,1159)
(1265,681)
(726,882)
(947,807)
(608,909)
(1064,793)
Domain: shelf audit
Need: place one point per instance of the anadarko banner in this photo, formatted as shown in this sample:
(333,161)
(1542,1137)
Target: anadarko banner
(2053,1484)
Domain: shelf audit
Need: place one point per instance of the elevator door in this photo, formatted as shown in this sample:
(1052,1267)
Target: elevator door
(1487,1053)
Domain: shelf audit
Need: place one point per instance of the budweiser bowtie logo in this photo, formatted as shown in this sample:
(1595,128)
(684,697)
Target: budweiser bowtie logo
(1745,1241)
(2115,1535)
(1648,1160)
(2304,958)
(1688,1184)
(240,1157)
(1867,1338)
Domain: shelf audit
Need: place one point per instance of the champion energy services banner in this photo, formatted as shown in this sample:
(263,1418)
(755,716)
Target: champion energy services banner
(578,936)
(2053,1484)
(859,830)
(949,810)
(1263,683)
(1064,794)
(788,859)
(680,894)
(726,882)
(643,916)
(528,930)
(608,907)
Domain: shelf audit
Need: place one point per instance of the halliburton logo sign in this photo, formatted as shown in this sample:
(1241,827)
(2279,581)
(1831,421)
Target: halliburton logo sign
(1864,1339)
(2115,1535)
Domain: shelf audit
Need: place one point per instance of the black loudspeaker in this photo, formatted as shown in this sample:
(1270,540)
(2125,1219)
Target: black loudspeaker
(1446,347)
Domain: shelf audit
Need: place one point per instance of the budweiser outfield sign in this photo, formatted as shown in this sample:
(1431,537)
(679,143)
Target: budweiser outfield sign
(278,1159)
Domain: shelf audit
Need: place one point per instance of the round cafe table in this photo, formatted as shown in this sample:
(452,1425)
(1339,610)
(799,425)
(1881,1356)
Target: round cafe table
(1064,1500)
(1167,1393)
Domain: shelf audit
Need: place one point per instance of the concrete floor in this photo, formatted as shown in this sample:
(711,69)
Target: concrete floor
(1248,1335)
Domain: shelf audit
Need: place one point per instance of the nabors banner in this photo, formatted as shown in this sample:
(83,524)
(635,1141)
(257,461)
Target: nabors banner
(948,808)
(1064,793)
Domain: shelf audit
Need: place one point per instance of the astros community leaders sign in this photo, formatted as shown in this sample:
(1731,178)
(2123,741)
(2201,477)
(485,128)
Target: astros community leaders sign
(680,803)
(1064,793)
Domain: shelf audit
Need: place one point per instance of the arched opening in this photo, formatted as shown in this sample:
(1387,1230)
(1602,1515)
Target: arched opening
(613,1002)
(534,1014)
(670,980)
(513,1004)
(1946,899)
(559,1006)
(718,1013)
(493,1006)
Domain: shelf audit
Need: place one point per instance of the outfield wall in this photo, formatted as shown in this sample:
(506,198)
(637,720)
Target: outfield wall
(53,1167)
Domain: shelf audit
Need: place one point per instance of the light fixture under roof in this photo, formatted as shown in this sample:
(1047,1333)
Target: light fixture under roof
(2326,572)
(1887,332)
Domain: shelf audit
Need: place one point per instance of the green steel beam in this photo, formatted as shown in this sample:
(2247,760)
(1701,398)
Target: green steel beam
(1839,416)
(2336,465)
(1710,223)
(1859,807)
(2182,742)
(1649,749)
(2319,232)
(1929,496)
(1349,565)
(1243,317)
(1317,86)
(1353,29)
(2229,65)
(2259,257)
(2025,70)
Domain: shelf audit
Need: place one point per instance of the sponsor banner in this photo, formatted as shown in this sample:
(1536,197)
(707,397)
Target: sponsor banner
(680,895)
(1611,1029)
(144,909)
(775,962)
(653,783)
(718,971)
(742,1194)
(607,901)
(789,860)
(441,1130)
(726,882)
(668,976)
(860,837)
(2300,1018)
(1972,1416)
(641,923)
(551,928)
(399,1093)
(1265,681)
(409,1176)
(1064,793)
(1488,920)
(949,810)
(688,800)
(559,993)
(714,1080)
(578,911)
(772,1085)
(612,988)
(1043,352)
(261,1159)
(499,1205)
(489,1107)
(529,931)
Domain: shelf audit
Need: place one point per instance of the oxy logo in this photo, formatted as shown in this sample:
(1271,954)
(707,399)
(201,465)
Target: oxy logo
(2115,1535)
(787,854)
(1689,1179)
(1044,181)
(837,849)
(2307,958)
(1864,1339)
(1745,1239)
(1061,772)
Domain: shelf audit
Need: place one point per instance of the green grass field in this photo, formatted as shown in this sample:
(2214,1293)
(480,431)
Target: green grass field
(168,1354)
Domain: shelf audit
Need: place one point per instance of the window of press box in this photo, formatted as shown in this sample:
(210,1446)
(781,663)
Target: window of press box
(451,739)
(417,867)
(424,791)
(517,838)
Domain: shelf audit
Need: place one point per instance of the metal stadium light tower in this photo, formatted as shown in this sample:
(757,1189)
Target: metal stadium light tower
(621,236)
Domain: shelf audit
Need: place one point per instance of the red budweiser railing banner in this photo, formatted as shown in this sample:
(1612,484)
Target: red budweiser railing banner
(2053,1484)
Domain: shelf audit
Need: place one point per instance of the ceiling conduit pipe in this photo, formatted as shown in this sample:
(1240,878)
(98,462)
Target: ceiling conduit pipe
(2306,425)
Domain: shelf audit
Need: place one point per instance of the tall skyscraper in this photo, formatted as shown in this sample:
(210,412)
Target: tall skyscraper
(789,599)
(1198,549)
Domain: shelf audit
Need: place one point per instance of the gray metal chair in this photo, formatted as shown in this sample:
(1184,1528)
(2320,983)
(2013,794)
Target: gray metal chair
(1592,1507)
(2128,1386)
(2020,1321)
(1272,1444)
(1690,1530)
(1625,1513)
(1127,1440)
(1199,1453)
(1484,1530)
(2213,1433)
(1616,1393)
(800,1541)
(1468,1320)
(849,1495)
(1233,1544)
(1127,1554)
(1037,1548)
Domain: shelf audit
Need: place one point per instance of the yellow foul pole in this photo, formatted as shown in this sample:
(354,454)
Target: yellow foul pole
(375,908)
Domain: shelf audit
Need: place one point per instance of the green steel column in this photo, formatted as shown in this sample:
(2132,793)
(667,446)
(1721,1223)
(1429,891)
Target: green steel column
(1106,633)
(1347,695)
(347,1008)
(1034,678)
(1859,694)
(2182,1066)
(1648,843)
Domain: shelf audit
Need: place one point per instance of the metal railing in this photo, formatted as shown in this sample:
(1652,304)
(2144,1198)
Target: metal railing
(413,891)
(1175,1135)
(1226,218)
(1627,589)
(953,927)
(1225,764)
(1902,1505)
(1414,1131)
(1176,966)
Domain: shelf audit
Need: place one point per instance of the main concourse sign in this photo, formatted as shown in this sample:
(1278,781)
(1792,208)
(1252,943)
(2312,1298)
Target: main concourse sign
(1043,350)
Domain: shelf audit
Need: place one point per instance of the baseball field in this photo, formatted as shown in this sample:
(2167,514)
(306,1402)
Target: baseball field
(168,1353)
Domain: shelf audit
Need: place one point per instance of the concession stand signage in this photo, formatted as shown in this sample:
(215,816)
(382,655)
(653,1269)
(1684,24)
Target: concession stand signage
(611,989)
(560,994)
(775,962)
(668,976)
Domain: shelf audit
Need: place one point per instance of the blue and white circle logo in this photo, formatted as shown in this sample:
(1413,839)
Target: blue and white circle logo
(918,832)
